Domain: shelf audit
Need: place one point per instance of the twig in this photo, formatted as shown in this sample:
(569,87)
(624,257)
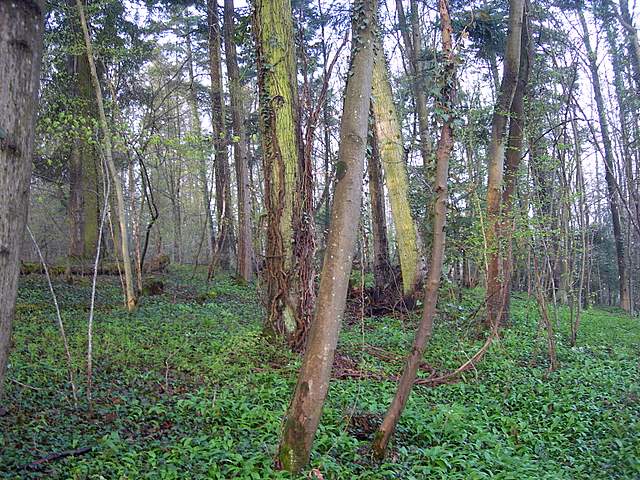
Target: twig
(107,191)
(25,385)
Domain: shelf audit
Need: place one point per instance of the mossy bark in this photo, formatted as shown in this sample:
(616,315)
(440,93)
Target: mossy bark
(282,160)
(393,161)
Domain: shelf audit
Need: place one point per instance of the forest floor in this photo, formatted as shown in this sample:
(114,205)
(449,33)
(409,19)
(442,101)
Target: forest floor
(186,387)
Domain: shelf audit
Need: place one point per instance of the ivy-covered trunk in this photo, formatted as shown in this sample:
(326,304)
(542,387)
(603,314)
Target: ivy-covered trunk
(289,290)
(303,415)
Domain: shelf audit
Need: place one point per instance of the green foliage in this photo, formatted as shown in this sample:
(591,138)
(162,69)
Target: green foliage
(189,389)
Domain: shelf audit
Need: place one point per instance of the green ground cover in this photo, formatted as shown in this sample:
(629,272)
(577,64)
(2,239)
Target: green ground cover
(188,388)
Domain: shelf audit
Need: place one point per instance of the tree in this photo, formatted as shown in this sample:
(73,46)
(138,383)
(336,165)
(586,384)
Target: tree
(288,294)
(495,279)
(393,161)
(443,152)
(240,150)
(111,166)
(609,173)
(303,415)
(21,34)
(224,211)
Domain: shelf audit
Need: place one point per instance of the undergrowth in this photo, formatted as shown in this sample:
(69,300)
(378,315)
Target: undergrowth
(187,387)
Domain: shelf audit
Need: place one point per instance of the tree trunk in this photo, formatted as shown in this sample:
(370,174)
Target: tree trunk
(21,32)
(393,161)
(513,158)
(240,151)
(614,205)
(282,158)
(303,415)
(225,242)
(413,45)
(196,134)
(423,334)
(632,41)
(106,145)
(381,260)
(501,111)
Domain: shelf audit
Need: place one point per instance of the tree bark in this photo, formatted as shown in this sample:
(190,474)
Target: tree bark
(240,151)
(303,415)
(21,33)
(393,161)
(378,216)
(412,39)
(513,158)
(632,42)
(501,111)
(609,173)
(225,242)
(117,183)
(196,134)
(282,158)
(423,334)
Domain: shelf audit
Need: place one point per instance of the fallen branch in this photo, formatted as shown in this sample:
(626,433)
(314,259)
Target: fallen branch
(37,464)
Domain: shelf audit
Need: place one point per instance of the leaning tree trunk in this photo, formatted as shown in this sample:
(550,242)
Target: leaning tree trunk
(107,150)
(240,151)
(21,31)
(423,334)
(393,161)
(495,284)
(224,212)
(303,415)
(609,173)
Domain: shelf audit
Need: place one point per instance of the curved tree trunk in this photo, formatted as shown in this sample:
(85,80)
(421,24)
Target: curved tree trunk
(423,334)
(21,32)
(303,415)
